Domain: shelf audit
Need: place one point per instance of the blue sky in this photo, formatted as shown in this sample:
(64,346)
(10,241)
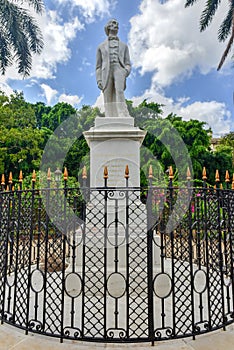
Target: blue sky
(172,62)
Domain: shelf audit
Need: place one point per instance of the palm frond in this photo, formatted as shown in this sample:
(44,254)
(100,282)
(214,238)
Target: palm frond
(208,13)
(189,3)
(5,53)
(227,50)
(21,34)
(38,5)
(225,28)
(33,32)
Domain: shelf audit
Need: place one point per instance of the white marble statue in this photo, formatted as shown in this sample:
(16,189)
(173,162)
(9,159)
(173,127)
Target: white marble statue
(112,68)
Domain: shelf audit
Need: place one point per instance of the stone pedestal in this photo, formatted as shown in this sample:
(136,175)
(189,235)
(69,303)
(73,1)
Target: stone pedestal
(115,143)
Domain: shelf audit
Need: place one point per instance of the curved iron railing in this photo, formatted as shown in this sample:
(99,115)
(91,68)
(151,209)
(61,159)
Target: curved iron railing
(117,264)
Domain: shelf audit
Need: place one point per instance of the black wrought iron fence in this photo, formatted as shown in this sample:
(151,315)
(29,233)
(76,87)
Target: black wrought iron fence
(117,264)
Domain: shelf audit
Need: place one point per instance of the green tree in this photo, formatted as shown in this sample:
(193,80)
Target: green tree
(53,117)
(227,145)
(220,160)
(165,144)
(226,29)
(67,145)
(21,142)
(20,36)
(40,110)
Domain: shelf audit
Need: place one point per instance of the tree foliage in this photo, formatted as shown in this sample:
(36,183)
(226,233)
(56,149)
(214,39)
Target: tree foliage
(26,129)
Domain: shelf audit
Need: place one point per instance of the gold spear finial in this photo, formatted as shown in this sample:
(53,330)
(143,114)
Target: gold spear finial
(10,178)
(227,177)
(65,174)
(188,174)
(204,177)
(171,175)
(221,186)
(3,180)
(84,172)
(34,176)
(21,176)
(48,175)
(105,173)
(126,172)
(217,179)
(233,182)
(150,172)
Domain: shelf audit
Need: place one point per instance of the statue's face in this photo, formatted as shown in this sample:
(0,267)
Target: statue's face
(113,26)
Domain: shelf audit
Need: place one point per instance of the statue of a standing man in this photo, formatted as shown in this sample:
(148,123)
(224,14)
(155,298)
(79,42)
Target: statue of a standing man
(112,68)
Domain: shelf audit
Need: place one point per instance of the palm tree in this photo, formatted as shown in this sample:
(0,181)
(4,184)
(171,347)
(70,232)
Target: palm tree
(20,35)
(226,28)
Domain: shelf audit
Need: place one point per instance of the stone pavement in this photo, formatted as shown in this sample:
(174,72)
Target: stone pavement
(15,339)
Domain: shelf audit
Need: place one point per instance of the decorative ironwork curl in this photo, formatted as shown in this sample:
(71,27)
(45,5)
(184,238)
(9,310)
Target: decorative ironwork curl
(199,325)
(70,332)
(163,333)
(8,317)
(113,333)
(35,325)
(116,194)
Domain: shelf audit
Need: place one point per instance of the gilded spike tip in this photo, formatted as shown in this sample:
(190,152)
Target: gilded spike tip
(171,175)
(204,177)
(188,174)
(65,174)
(48,175)
(150,172)
(233,182)
(84,173)
(34,176)
(217,179)
(126,172)
(21,176)
(3,180)
(105,173)
(10,178)
(227,177)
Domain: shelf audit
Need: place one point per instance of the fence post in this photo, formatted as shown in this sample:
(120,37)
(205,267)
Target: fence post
(190,196)
(150,258)
(219,193)
(30,250)
(105,177)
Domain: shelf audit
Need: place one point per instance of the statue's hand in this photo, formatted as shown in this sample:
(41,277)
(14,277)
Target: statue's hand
(99,83)
(127,72)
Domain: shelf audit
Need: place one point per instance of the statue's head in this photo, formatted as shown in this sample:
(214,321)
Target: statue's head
(112,25)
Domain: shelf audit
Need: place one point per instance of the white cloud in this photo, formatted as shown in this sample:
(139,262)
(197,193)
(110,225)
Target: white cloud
(91,8)
(49,93)
(6,89)
(72,100)
(164,39)
(214,113)
(57,36)
(100,102)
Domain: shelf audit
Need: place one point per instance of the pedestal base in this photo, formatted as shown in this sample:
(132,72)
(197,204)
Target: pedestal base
(115,143)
